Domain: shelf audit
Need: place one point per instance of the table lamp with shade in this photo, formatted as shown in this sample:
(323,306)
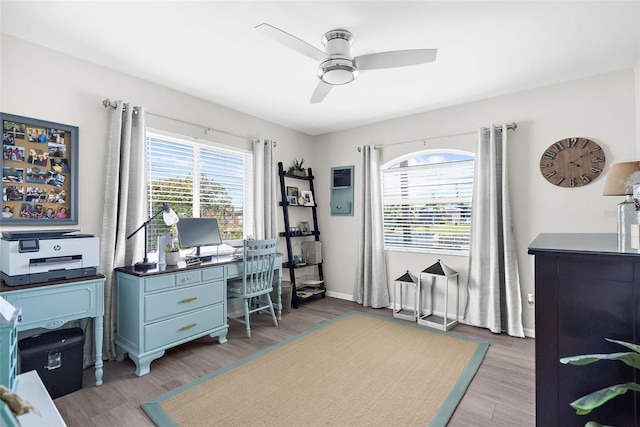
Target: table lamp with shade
(621,178)
(170,218)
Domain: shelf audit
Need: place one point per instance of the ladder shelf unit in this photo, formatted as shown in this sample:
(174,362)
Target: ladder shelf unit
(309,282)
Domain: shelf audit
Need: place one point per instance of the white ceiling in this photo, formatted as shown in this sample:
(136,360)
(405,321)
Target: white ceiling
(210,49)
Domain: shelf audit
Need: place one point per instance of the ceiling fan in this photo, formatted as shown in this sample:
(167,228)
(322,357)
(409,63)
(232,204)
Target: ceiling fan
(337,65)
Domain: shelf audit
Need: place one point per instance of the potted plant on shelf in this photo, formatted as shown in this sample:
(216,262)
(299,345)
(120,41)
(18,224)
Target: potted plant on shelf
(296,168)
(172,253)
(591,401)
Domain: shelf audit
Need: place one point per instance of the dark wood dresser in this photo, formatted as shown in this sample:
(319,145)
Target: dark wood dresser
(587,289)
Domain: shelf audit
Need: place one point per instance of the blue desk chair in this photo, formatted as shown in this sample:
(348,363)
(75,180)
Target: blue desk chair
(257,281)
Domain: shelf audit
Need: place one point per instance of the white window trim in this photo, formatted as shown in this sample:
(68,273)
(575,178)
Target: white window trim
(248,187)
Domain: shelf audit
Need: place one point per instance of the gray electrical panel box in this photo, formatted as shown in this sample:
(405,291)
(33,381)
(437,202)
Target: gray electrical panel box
(342,190)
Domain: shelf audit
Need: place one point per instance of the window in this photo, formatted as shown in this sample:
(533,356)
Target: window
(198,180)
(427,201)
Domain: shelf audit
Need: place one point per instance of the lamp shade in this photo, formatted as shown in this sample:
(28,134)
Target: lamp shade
(621,178)
(169,216)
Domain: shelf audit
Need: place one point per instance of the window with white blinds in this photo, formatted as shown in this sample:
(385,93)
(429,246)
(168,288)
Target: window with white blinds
(427,202)
(198,180)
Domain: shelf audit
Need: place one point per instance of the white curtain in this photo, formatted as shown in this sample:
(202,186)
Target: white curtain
(264,190)
(371,273)
(124,206)
(493,288)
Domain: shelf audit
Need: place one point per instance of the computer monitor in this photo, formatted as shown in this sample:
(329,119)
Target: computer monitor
(198,232)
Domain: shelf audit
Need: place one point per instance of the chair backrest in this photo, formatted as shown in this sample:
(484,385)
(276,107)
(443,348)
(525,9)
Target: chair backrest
(259,257)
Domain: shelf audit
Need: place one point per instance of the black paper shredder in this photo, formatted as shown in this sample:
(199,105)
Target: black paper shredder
(57,356)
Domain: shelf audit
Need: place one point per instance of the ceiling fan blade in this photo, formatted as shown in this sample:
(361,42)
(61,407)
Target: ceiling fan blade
(395,58)
(321,92)
(291,42)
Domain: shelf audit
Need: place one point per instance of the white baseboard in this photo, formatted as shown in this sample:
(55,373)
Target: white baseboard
(339,295)
(529,333)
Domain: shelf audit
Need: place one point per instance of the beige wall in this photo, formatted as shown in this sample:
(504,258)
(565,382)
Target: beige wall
(637,115)
(601,108)
(40,83)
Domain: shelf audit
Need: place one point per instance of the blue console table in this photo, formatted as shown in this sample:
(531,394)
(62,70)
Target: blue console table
(168,306)
(52,304)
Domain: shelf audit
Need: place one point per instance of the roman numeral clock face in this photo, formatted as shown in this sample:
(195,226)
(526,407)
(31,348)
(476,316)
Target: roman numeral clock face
(572,162)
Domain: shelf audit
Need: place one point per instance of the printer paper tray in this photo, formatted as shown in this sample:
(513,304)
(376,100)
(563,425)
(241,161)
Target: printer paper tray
(45,265)
(48,276)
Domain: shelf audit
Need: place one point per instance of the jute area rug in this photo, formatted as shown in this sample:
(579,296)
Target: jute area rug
(356,370)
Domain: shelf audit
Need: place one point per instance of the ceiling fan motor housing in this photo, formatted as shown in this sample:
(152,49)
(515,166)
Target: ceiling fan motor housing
(339,69)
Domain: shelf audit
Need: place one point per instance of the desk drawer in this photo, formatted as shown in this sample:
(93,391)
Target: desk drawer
(159,282)
(234,270)
(213,273)
(181,328)
(179,301)
(51,307)
(190,277)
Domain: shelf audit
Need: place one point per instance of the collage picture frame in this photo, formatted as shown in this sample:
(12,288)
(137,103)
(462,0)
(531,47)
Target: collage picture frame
(39,171)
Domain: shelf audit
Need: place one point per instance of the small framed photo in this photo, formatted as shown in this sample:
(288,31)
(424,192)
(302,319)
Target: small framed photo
(304,228)
(292,200)
(308,198)
(292,191)
(636,196)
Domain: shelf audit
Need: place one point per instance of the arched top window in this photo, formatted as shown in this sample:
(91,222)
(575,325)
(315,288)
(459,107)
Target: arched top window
(427,201)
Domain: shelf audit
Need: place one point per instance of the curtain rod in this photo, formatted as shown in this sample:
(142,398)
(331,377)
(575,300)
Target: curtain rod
(108,103)
(511,126)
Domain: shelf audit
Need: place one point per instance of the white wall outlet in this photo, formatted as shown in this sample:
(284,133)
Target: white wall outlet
(531,300)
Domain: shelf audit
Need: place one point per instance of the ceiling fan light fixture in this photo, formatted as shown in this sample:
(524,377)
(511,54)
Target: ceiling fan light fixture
(337,71)
(337,65)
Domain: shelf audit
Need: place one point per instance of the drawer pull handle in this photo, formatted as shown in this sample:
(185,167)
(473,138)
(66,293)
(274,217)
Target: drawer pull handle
(190,299)
(184,328)
(187,279)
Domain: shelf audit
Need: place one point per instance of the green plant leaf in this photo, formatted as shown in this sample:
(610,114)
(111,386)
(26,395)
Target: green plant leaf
(630,346)
(631,359)
(588,403)
(297,165)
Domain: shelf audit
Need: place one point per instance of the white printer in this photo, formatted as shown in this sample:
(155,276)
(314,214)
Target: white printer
(28,257)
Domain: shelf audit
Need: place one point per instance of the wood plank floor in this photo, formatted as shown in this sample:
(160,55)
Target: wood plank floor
(501,394)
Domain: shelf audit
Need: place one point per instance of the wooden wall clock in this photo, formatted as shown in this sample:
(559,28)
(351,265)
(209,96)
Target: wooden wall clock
(572,162)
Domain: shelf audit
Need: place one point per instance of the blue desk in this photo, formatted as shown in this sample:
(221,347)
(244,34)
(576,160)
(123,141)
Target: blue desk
(168,306)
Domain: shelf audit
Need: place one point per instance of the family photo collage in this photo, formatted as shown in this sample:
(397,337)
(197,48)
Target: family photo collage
(35,172)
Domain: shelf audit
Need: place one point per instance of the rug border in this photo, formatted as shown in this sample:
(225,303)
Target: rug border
(445,412)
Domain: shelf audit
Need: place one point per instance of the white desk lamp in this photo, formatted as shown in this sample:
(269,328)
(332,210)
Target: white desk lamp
(170,218)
